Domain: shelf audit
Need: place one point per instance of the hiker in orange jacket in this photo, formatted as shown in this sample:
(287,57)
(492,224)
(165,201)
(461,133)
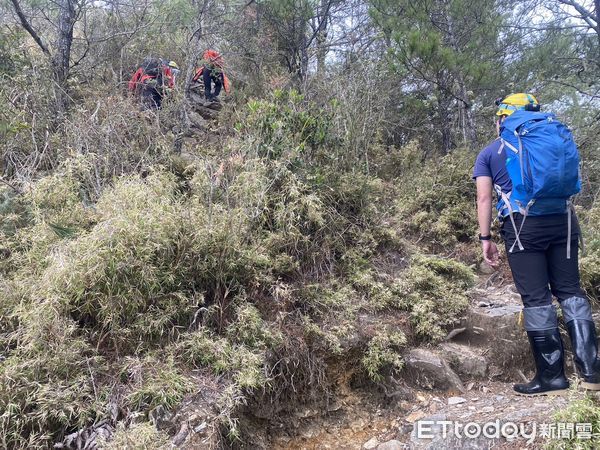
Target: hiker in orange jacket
(211,72)
(151,81)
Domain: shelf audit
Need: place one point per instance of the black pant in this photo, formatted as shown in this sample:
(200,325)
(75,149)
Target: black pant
(542,268)
(211,75)
(151,96)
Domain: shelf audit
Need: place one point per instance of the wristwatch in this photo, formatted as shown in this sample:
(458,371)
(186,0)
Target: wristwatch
(485,238)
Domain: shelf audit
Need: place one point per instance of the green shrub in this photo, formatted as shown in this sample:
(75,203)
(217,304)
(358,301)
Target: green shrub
(203,349)
(384,351)
(250,329)
(138,436)
(586,410)
(45,383)
(287,126)
(56,211)
(434,291)
(154,381)
(436,201)
(119,276)
(13,211)
(590,259)
(127,291)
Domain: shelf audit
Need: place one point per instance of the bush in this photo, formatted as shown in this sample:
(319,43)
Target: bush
(121,276)
(203,349)
(590,259)
(45,383)
(123,292)
(383,351)
(436,201)
(434,291)
(290,128)
(154,381)
(586,410)
(138,436)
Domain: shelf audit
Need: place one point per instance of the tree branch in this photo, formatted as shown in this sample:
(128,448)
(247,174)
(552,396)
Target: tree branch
(324,17)
(586,15)
(25,23)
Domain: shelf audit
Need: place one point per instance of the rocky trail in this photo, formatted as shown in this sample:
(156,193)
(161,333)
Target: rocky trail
(465,380)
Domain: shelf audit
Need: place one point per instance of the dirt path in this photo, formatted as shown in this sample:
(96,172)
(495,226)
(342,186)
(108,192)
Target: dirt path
(486,354)
(363,425)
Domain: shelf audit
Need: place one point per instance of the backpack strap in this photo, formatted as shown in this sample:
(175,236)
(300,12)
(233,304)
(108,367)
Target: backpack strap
(571,213)
(506,200)
(509,145)
(506,197)
(521,158)
(524,212)
(518,151)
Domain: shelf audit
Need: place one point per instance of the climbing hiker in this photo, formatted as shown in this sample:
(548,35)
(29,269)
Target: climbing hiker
(174,70)
(151,81)
(212,71)
(533,166)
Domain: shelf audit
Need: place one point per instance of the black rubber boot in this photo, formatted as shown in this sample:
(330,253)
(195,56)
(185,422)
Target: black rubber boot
(548,353)
(582,331)
(585,351)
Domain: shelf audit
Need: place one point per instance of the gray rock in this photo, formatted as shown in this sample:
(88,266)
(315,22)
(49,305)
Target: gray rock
(371,444)
(495,329)
(427,433)
(392,445)
(486,269)
(433,435)
(201,428)
(182,435)
(456,400)
(464,360)
(429,371)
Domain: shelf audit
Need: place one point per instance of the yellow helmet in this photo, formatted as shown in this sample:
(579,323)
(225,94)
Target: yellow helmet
(173,65)
(515,102)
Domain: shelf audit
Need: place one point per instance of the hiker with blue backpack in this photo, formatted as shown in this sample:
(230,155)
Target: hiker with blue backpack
(533,167)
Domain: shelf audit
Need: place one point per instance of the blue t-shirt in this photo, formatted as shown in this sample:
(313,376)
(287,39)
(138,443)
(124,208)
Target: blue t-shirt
(491,162)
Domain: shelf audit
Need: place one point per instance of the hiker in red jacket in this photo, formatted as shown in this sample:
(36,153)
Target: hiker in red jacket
(212,71)
(152,80)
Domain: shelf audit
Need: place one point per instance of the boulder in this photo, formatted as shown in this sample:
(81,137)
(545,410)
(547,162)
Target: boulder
(428,370)
(493,326)
(371,444)
(464,360)
(392,445)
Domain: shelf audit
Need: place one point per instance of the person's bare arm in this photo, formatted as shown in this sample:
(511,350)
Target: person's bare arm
(484,216)
(484,204)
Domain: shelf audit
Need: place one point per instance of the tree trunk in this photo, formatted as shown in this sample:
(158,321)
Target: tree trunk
(62,56)
(444,101)
(468,122)
(301,49)
(597,10)
(321,37)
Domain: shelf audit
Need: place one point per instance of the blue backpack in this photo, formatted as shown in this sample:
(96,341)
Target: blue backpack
(542,161)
